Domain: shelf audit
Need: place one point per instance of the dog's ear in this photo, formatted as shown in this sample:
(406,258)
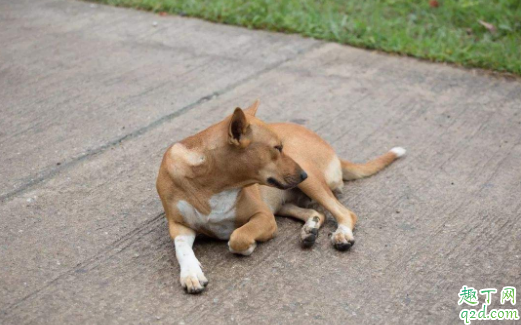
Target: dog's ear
(238,128)
(252,110)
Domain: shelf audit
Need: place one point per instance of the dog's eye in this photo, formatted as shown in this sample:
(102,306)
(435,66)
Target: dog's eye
(279,148)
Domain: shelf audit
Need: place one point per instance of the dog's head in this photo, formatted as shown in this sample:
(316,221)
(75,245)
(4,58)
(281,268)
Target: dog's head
(258,152)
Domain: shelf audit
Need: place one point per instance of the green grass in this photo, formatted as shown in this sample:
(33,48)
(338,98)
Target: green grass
(449,33)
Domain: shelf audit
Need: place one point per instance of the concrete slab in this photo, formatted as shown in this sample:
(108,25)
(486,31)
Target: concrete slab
(136,73)
(88,244)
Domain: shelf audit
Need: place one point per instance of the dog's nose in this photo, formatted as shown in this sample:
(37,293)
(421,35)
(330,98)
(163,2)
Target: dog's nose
(303,175)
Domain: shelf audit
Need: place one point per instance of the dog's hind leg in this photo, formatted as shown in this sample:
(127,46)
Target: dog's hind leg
(317,189)
(312,218)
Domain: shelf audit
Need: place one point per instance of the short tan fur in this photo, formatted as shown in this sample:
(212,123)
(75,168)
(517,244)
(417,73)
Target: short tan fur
(229,181)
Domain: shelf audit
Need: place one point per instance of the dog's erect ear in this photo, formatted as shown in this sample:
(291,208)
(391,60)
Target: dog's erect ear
(252,110)
(238,128)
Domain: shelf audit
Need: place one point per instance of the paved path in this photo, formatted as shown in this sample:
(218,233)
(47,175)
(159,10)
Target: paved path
(91,96)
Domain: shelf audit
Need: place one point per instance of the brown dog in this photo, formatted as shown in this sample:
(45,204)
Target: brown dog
(229,180)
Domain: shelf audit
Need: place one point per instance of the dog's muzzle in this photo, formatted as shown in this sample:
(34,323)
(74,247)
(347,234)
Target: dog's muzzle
(291,181)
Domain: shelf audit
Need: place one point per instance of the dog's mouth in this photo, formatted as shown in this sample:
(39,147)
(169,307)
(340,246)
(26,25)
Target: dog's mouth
(291,182)
(273,182)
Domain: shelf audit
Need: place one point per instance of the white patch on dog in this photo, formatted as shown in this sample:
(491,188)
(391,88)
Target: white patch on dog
(398,151)
(333,174)
(311,223)
(246,252)
(220,221)
(344,230)
(191,274)
(193,158)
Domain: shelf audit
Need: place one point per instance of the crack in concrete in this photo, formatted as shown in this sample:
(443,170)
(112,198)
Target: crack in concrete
(100,256)
(65,166)
(125,241)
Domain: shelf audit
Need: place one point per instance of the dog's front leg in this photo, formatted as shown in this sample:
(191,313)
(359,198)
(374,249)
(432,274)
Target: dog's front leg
(192,277)
(260,227)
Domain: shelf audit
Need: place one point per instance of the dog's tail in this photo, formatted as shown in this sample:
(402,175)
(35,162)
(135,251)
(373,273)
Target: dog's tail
(352,171)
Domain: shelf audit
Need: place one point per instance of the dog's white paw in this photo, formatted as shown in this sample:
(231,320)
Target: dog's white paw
(246,252)
(398,151)
(193,279)
(309,232)
(342,239)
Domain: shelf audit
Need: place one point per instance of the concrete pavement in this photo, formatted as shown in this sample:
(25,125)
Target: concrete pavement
(92,95)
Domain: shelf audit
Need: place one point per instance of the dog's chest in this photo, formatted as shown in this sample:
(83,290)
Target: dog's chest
(220,221)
